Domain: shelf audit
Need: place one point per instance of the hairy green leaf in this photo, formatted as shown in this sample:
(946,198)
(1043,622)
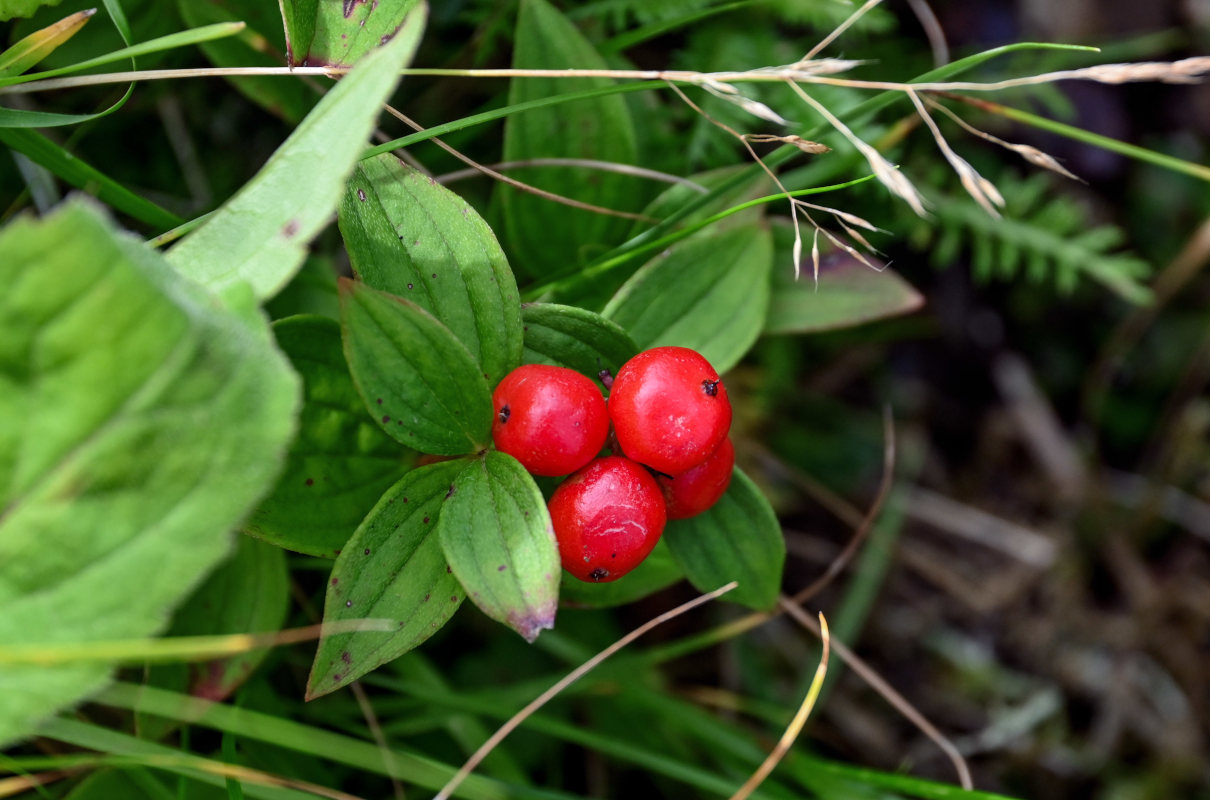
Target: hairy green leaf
(739,539)
(260,236)
(392,568)
(710,293)
(571,337)
(139,422)
(341,461)
(418,381)
(408,235)
(497,535)
(545,235)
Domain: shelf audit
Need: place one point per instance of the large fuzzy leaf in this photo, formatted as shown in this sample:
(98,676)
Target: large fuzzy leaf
(139,422)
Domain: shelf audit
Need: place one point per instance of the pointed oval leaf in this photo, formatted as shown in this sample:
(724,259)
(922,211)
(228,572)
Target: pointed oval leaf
(571,337)
(392,568)
(341,461)
(337,34)
(658,571)
(498,538)
(547,236)
(417,380)
(260,236)
(408,235)
(739,539)
(710,293)
(139,422)
(849,293)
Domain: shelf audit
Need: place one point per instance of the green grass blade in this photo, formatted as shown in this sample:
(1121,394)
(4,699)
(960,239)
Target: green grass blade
(95,737)
(420,770)
(82,175)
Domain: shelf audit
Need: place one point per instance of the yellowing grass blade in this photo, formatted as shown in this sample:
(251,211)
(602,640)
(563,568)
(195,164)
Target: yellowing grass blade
(39,44)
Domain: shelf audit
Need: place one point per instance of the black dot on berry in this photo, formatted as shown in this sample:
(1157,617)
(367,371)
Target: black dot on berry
(613,555)
(710,387)
(600,573)
(505,413)
(310,481)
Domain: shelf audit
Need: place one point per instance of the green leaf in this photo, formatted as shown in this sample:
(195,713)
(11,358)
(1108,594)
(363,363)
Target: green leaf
(418,381)
(497,536)
(249,593)
(571,337)
(849,293)
(41,43)
(139,422)
(341,461)
(544,235)
(71,169)
(23,8)
(338,34)
(392,568)
(710,293)
(260,236)
(256,46)
(739,539)
(658,571)
(408,235)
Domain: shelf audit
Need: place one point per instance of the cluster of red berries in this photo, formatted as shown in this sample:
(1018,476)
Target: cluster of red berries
(671,457)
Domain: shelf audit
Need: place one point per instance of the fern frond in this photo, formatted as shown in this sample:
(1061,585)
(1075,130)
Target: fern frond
(1041,235)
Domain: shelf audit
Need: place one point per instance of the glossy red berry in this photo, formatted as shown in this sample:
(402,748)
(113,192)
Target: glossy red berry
(692,492)
(607,517)
(551,419)
(669,409)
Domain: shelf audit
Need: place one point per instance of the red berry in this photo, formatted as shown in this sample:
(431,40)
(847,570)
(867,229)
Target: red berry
(669,409)
(607,517)
(692,492)
(551,419)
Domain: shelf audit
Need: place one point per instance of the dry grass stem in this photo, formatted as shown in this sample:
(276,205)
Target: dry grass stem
(796,724)
(835,34)
(568,680)
(876,682)
(581,163)
(932,31)
(887,174)
(1189,70)
(867,523)
(1031,154)
(520,185)
(20,784)
(978,187)
(380,739)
